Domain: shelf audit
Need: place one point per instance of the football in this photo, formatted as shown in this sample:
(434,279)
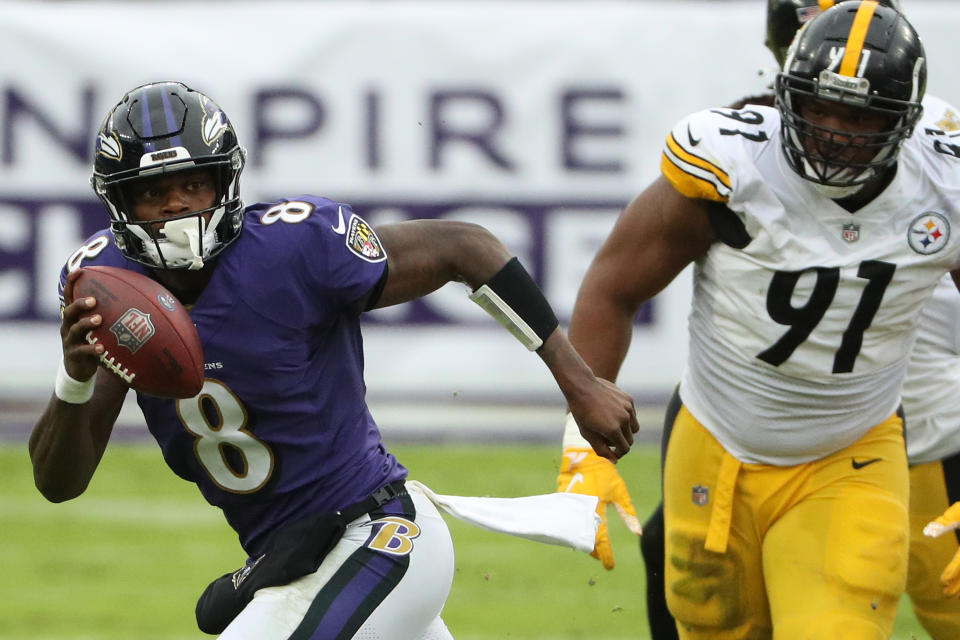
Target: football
(150,341)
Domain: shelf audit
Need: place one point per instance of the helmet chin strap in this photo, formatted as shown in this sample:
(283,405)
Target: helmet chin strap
(186,233)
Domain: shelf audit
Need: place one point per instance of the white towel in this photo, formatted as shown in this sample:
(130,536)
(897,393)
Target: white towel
(565,519)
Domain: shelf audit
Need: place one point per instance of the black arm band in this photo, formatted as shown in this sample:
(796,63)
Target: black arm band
(514,299)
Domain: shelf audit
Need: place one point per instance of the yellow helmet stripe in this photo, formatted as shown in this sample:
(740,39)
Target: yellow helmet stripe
(825,4)
(858,33)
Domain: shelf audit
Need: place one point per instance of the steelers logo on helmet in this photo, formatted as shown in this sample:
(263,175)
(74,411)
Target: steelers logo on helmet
(928,233)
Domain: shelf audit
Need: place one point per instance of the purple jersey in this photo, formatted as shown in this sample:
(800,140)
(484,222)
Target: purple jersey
(281,428)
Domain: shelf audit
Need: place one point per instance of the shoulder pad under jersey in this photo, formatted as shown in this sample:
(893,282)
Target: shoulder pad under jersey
(703,150)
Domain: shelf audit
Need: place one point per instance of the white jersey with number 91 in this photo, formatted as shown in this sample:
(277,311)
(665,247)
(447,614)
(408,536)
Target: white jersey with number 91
(803,318)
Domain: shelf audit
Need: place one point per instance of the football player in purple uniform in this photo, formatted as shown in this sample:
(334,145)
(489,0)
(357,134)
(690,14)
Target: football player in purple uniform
(280,437)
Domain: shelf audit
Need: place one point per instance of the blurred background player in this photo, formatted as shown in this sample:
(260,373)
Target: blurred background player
(281,438)
(933,440)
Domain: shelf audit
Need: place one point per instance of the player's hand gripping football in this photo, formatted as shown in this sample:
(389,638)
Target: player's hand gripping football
(583,471)
(80,359)
(949,521)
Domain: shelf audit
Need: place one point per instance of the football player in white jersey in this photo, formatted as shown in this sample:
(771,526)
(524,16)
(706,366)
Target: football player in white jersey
(818,230)
(930,398)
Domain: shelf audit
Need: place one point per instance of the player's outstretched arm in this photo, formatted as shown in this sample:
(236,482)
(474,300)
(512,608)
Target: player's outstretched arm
(70,437)
(656,236)
(426,254)
(606,413)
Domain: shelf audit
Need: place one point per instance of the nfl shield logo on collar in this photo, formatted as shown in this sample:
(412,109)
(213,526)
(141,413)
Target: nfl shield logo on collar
(851,232)
(700,494)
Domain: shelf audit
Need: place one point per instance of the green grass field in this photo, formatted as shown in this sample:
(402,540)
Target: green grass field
(128,558)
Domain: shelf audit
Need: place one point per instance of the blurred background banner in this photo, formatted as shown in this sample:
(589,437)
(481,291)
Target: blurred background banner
(539,120)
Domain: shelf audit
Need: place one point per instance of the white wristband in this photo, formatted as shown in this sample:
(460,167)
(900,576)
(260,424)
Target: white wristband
(70,390)
(571,435)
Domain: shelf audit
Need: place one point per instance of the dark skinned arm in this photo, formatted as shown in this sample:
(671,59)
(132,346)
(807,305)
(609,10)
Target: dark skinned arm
(68,440)
(659,233)
(426,254)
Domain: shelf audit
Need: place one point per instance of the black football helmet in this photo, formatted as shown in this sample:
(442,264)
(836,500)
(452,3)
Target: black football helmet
(856,53)
(160,128)
(785,17)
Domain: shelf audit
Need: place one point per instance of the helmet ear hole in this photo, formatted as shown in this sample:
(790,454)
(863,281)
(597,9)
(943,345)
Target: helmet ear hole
(163,128)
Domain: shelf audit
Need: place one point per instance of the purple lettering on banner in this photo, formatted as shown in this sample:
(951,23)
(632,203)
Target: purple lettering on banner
(443,131)
(538,215)
(52,230)
(75,141)
(58,227)
(266,129)
(576,129)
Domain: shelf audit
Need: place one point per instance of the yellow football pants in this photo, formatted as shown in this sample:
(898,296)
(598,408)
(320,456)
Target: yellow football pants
(813,551)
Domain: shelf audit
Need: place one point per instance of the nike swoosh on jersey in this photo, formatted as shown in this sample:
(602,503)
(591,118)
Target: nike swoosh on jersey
(341,227)
(861,465)
(693,176)
(693,141)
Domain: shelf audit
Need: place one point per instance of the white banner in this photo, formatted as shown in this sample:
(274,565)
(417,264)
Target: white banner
(539,120)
